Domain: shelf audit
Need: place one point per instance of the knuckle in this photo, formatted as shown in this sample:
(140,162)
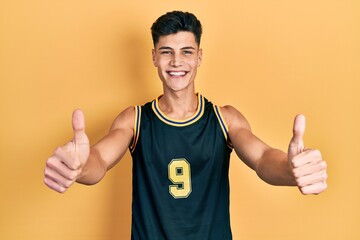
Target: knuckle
(49,173)
(308,191)
(294,162)
(46,182)
(316,152)
(296,173)
(73,176)
(62,189)
(46,173)
(49,165)
(324,164)
(77,164)
(322,179)
(325,176)
(54,186)
(68,184)
(50,161)
(74,165)
(301,183)
(57,150)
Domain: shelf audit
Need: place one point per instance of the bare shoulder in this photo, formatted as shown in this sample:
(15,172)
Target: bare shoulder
(234,118)
(125,119)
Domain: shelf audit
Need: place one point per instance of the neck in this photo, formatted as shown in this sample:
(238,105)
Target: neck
(179,105)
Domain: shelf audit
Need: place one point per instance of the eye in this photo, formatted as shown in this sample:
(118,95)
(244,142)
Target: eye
(187,52)
(165,52)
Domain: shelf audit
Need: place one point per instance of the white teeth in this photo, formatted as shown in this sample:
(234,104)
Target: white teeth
(177,73)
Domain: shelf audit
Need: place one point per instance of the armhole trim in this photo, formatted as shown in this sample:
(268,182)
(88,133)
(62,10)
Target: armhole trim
(137,121)
(223,126)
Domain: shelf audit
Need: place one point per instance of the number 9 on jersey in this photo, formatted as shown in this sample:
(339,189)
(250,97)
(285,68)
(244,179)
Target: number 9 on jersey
(180,175)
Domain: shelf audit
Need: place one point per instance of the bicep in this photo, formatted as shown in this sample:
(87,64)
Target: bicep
(247,146)
(114,145)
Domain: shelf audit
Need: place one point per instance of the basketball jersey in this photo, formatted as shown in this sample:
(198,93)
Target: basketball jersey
(180,175)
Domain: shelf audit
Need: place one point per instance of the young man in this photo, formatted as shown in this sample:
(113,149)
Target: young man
(181,145)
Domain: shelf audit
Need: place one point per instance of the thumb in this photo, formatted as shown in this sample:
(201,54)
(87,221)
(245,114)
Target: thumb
(296,145)
(78,123)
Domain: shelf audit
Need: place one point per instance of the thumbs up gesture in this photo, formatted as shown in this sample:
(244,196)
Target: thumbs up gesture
(309,169)
(65,165)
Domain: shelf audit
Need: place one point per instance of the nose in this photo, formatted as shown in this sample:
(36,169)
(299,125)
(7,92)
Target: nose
(176,60)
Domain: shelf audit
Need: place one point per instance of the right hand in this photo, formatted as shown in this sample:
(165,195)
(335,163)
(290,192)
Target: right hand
(66,164)
(308,167)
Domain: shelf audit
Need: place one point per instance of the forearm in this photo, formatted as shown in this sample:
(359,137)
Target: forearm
(94,169)
(274,168)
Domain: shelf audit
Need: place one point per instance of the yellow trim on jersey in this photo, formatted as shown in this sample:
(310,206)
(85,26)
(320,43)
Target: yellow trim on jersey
(137,121)
(223,125)
(179,123)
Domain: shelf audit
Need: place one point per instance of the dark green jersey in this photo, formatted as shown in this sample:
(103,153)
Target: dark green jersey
(180,175)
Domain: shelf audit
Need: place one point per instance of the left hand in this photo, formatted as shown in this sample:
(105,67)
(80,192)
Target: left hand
(309,168)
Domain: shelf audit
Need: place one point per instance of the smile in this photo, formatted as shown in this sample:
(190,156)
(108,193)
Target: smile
(178,73)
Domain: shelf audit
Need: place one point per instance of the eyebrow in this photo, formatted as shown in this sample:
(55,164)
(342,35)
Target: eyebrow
(169,48)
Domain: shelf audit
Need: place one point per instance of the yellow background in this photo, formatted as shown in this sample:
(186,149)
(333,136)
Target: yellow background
(269,59)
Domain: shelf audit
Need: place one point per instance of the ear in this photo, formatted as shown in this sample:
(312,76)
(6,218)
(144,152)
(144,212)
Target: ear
(199,57)
(153,52)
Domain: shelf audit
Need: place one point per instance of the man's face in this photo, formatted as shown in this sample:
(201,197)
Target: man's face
(177,57)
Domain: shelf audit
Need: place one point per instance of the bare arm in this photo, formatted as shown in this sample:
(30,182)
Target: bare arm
(110,149)
(270,164)
(298,167)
